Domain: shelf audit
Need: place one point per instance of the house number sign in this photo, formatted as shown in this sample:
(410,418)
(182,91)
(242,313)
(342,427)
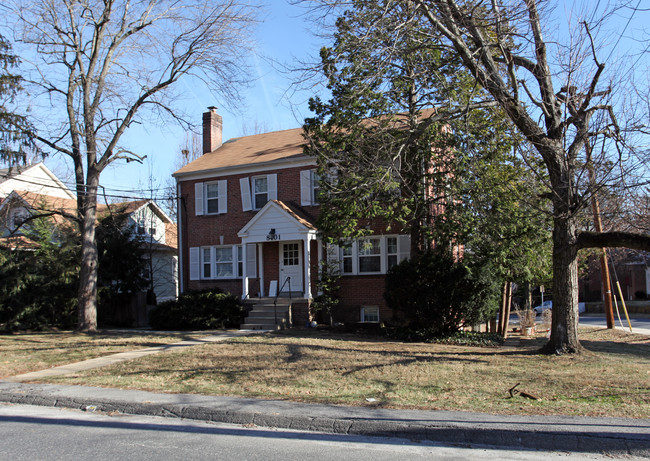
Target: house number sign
(272,235)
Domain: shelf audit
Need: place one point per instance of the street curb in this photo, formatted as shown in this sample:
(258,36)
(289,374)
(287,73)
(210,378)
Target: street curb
(361,421)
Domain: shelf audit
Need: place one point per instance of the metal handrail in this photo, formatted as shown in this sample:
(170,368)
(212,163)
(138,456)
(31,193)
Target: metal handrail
(275,301)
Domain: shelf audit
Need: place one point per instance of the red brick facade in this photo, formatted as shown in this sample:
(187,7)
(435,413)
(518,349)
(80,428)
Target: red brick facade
(280,154)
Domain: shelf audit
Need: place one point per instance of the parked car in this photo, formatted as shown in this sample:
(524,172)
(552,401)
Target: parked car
(542,307)
(549,305)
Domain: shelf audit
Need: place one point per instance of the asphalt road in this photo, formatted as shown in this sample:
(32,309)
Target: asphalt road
(42,433)
(640,323)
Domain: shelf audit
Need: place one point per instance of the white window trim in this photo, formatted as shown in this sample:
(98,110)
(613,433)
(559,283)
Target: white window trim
(222,197)
(197,263)
(201,197)
(247,188)
(308,181)
(403,252)
(366,310)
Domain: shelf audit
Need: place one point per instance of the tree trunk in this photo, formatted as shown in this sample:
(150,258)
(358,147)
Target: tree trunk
(87,302)
(564,327)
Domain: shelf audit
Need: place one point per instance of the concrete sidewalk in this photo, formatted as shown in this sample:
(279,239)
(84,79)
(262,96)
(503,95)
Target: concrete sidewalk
(124,356)
(612,436)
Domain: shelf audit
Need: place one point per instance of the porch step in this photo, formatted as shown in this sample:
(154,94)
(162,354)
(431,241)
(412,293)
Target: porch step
(265,315)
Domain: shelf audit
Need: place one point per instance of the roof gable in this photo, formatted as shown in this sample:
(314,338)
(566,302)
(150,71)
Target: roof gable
(35,178)
(276,221)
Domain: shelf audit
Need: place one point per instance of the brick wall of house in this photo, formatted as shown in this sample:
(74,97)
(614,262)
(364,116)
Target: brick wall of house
(364,290)
(208,230)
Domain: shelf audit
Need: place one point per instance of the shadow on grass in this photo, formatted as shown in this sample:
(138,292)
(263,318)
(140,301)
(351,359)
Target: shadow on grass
(640,350)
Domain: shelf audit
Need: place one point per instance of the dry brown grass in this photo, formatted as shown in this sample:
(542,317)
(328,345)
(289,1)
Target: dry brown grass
(610,378)
(22,353)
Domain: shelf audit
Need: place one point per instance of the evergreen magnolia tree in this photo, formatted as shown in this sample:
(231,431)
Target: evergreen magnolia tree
(497,211)
(383,150)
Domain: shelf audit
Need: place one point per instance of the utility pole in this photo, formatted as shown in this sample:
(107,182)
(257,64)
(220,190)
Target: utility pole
(604,268)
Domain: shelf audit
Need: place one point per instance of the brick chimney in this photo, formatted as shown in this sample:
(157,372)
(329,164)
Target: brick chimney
(212,128)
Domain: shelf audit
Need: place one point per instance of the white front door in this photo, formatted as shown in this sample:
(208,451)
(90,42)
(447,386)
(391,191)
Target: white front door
(291,266)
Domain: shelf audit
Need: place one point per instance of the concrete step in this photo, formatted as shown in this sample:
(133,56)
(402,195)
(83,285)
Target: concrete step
(259,326)
(266,315)
(278,309)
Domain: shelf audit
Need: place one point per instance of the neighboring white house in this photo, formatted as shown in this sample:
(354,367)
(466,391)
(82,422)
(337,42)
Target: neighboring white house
(158,231)
(146,218)
(32,178)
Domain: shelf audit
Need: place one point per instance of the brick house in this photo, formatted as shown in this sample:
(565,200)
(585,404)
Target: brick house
(247,224)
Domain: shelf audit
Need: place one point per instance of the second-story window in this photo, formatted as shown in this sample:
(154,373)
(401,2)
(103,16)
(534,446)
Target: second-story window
(309,187)
(256,191)
(212,197)
(260,191)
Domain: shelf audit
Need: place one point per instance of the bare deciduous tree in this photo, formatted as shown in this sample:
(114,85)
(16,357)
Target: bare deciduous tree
(106,65)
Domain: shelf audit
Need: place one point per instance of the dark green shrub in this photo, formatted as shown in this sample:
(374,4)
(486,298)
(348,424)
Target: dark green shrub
(328,286)
(438,295)
(198,310)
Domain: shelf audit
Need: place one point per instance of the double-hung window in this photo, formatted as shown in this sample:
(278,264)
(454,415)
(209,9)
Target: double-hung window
(370,255)
(373,255)
(391,252)
(211,197)
(347,253)
(260,191)
(257,190)
(223,262)
(206,261)
(309,187)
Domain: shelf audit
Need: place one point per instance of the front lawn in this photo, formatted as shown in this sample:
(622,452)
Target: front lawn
(612,378)
(22,353)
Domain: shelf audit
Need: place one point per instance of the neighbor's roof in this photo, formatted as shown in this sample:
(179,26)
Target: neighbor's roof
(8,173)
(248,150)
(47,203)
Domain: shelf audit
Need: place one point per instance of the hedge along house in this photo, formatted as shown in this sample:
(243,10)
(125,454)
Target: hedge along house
(247,224)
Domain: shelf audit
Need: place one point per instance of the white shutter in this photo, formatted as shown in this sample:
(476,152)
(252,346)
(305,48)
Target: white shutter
(272,182)
(305,187)
(195,263)
(223,196)
(245,187)
(198,198)
(251,260)
(404,247)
